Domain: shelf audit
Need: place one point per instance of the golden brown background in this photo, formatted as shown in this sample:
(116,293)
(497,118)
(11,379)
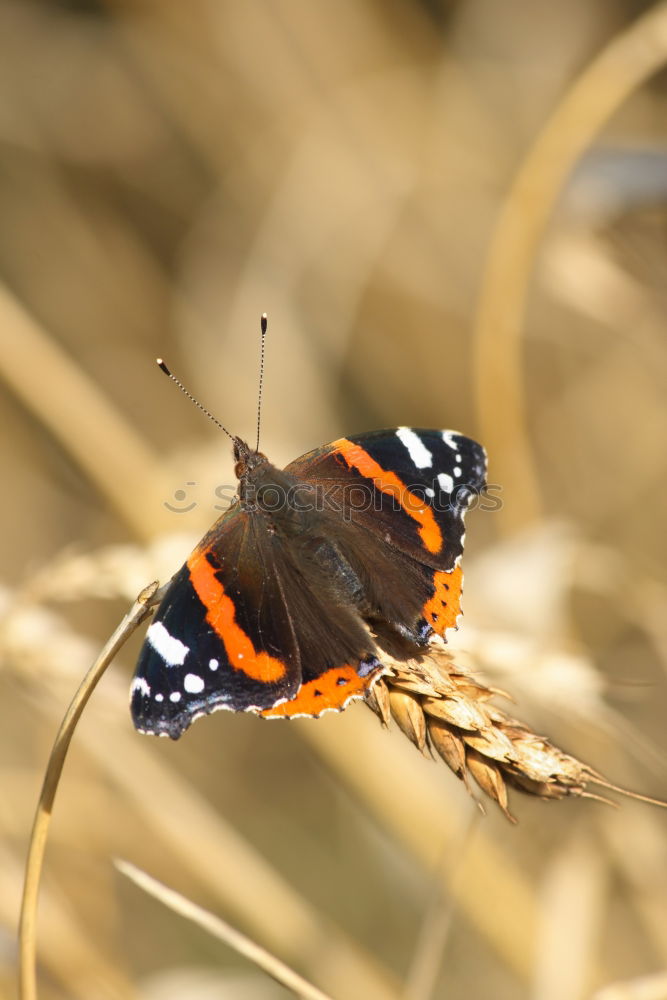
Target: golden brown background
(393,182)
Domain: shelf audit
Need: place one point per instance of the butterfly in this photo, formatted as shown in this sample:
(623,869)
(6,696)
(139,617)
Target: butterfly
(287,605)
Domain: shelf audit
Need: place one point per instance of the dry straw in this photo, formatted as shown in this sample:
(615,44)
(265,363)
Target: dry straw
(221,930)
(623,65)
(40,829)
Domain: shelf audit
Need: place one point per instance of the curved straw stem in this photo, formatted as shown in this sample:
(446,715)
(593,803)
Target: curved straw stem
(40,828)
(223,931)
(624,64)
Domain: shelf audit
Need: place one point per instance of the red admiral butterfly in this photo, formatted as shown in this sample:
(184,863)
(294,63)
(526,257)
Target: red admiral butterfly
(286,605)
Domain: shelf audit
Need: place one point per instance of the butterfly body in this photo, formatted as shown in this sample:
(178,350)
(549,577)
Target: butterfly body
(287,604)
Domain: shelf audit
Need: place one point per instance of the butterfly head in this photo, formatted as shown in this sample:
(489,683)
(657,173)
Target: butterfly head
(247,459)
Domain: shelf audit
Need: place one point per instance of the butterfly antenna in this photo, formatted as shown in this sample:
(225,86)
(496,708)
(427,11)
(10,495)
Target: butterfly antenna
(192,399)
(263,325)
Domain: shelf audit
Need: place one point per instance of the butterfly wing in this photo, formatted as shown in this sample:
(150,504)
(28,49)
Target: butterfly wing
(185,669)
(396,501)
(248,624)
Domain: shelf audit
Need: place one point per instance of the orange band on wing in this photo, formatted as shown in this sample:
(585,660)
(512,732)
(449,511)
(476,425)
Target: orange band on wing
(332,690)
(442,610)
(388,482)
(221,616)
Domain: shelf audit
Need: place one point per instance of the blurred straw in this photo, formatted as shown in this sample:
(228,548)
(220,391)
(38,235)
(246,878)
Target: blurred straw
(226,864)
(427,960)
(223,931)
(86,424)
(410,802)
(643,869)
(642,988)
(575,897)
(67,953)
(624,64)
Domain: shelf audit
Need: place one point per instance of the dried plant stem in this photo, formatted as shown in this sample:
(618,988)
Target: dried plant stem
(75,411)
(28,919)
(625,63)
(437,921)
(224,932)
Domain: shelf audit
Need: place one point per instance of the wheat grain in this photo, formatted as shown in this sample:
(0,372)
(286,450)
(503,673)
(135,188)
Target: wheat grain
(441,708)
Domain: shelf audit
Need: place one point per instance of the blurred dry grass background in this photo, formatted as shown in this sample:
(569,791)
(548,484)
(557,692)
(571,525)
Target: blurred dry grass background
(168,171)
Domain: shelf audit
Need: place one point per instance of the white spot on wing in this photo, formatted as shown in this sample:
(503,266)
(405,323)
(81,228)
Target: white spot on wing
(446,482)
(213,664)
(429,492)
(449,438)
(141,684)
(193,683)
(172,651)
(419,453)
(175,696)
(159,697)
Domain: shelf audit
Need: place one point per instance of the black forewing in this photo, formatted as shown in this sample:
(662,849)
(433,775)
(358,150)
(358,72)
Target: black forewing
(283,603)
(384,544)
(167,697)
